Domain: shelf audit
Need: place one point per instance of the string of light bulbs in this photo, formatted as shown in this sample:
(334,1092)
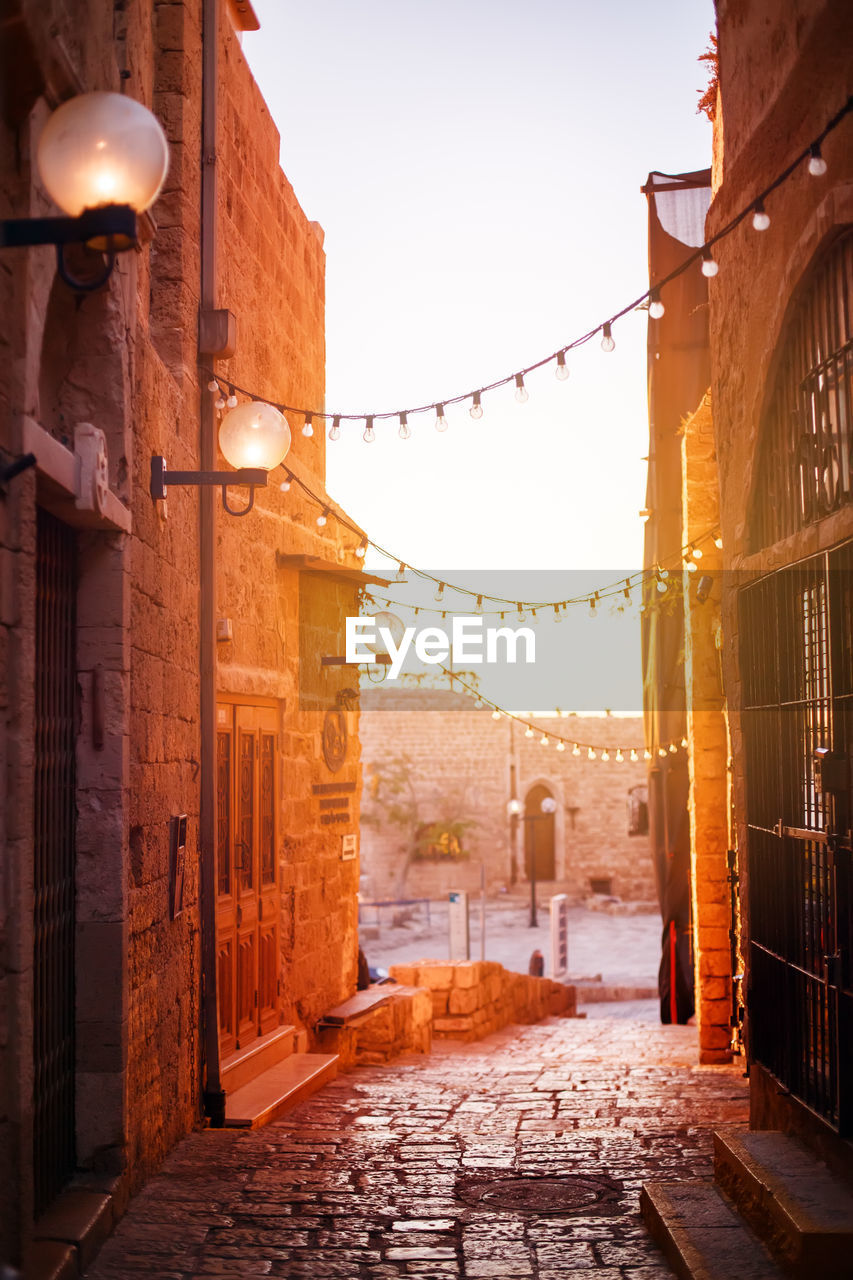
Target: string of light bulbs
(620,591)
(547,738)
(816,167)
(691,553)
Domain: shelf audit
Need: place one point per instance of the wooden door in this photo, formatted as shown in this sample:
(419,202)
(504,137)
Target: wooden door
(248,901)
(538,834)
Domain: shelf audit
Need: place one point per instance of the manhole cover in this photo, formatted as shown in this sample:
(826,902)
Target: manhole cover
(570,1194)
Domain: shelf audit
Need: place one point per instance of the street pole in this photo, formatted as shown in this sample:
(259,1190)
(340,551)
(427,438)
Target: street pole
(531,817)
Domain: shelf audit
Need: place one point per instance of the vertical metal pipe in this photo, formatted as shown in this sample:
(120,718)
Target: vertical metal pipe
(213,1095)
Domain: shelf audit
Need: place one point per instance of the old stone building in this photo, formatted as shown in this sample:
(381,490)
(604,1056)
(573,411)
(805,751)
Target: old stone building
(177,886)
(439,775)
(780,330)
(763,459)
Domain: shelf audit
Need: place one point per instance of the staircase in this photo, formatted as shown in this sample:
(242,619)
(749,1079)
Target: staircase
(773,1211)
(272,1075)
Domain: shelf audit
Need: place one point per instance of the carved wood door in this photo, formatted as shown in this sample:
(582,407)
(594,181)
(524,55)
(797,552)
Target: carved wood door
(248,899)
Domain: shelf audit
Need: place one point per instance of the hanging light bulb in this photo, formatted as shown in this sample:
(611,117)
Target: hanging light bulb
(656,307)
(661,586)
(661,751)
(817,164)
(522,616)
(691,566)
(673,748)
(439,594)
(361,549)
(440,420)
(647,755)
(323,518)
(718,542)
(696,553)
(231,402)
(760,218)
(405,430)
(520,389)
(605,755)
(369,434)
(476,410)
(619,755)
(528,732)
(213,385)
(710,266)
(684,742)
(576,750)
(496,715)
(561,746)
(591,754)
(634,755)
(400,575)
(543,741)
(607,341)
(335,429)
(219,402)
(561,372)
(285,484)
(558,617)
(308,425)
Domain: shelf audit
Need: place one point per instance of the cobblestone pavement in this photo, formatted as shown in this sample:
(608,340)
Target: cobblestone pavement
(518,1157)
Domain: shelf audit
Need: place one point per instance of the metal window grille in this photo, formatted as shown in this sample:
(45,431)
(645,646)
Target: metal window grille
(796,627)
(54,862)
(806,466)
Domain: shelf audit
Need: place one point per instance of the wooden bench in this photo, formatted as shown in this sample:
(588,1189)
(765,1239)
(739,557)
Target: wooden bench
(356,1010)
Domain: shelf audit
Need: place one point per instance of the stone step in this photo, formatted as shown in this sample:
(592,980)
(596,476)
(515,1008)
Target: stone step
(258,1056)
(702,1236)
(281,1087)
(802,1210)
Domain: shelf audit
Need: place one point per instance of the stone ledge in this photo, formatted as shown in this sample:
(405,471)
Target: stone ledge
(473,998)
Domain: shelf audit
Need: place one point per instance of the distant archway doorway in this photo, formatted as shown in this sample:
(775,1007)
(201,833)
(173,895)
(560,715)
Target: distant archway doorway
(539,839)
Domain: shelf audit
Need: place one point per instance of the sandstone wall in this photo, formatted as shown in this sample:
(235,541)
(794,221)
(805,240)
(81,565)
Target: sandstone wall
(125,359)
(464,765)
(474,998)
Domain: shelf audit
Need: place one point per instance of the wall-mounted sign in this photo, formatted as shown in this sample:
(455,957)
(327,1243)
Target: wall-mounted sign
(334,801)
(349,847)
(335,738)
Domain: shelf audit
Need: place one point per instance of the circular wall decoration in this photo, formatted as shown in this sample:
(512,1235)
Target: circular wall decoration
(335,738)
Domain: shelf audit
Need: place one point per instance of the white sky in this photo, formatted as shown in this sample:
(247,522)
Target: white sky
(476,166)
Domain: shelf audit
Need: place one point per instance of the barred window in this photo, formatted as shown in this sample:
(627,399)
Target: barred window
(805,467)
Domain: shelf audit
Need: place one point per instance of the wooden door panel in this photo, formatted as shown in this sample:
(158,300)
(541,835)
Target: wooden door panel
(226,992)
(268,976)
(247,986)
(248,901)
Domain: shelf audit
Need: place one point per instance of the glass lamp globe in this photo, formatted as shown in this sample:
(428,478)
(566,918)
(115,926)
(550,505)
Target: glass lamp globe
(101,149)
(391,623)
(548,805)
(254,435)
(514,808)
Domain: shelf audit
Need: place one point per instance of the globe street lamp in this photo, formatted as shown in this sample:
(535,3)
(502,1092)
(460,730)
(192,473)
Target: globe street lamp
(254,438)
(514,810)
(102,157)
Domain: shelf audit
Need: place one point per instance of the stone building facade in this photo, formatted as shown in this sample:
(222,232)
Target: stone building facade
(780,335)
(106,1044)
(763,458)
(432,761)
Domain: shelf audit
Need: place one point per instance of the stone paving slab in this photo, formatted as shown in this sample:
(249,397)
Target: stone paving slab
(519,1157)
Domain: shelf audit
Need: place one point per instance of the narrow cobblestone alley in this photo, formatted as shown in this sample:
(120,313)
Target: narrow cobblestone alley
(520,1156)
